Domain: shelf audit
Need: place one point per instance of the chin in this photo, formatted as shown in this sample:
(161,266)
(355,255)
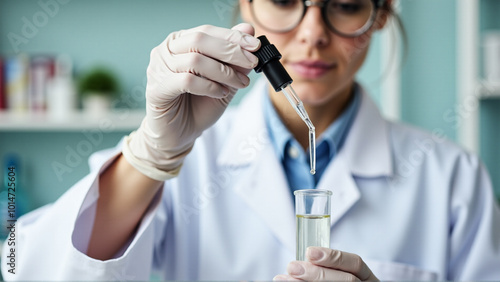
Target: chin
(313,93)
(320,91)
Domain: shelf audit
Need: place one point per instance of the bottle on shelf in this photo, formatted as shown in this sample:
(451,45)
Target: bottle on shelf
(61,98)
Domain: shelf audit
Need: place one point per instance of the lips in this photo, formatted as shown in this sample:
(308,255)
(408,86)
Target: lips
(311,69)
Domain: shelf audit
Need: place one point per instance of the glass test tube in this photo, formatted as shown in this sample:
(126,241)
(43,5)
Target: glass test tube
(312,210)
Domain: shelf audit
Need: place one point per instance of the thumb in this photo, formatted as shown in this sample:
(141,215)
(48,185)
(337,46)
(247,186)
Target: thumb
(248,29)
(245,28)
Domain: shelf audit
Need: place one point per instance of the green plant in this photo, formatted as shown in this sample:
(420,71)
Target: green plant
(98,81)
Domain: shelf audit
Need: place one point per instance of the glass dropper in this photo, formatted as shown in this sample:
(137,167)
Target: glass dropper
(297,104)
(281,81)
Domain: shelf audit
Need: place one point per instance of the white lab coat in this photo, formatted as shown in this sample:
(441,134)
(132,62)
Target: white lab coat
(413,206)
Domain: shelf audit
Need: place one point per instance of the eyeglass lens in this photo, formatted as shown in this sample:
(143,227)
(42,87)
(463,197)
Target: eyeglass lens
(347,17)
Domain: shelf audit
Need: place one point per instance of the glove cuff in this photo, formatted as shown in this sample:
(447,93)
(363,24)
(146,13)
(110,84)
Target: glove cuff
(143,166)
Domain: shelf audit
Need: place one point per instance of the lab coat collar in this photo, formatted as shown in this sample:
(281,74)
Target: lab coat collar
(262,183)
(367,149)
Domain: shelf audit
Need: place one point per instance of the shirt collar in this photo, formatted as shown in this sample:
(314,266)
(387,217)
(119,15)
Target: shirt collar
(334,135)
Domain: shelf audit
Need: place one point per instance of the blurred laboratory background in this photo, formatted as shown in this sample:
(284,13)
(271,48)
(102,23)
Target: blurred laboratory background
(446,82)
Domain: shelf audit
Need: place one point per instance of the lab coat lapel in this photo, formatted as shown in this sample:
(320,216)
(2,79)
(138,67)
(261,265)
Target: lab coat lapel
(261,181)
(264,188)
(366,153)
(338,179)
(367,148)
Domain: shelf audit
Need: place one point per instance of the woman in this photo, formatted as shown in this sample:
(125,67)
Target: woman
(221,208)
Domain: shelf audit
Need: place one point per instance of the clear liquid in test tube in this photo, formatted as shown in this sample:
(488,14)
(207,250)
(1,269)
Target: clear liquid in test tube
(312,210)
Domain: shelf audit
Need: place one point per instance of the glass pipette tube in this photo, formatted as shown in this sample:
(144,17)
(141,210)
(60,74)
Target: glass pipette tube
(297,104)
(269,63)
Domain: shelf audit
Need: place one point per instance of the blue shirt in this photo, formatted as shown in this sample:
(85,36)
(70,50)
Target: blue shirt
(294,159)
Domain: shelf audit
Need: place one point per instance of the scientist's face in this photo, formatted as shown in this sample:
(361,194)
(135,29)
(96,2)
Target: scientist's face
(321,62)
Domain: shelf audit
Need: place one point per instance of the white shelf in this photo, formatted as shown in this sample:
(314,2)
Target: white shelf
(119,120)
(489,91)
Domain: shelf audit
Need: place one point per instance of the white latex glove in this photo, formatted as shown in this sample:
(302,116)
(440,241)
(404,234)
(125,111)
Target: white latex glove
(328,265)
(192,77)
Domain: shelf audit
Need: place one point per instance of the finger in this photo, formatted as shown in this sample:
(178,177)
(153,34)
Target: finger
(283,277)
(307,271)
(223,44)
(339,260)
(245,28)
(213,47)
(241,34)
(185,83)
(209,68)
(242,70)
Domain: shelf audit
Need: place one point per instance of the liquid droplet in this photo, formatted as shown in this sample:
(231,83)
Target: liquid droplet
(313,172)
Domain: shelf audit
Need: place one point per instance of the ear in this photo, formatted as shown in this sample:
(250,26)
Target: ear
(383,15)
(245,12)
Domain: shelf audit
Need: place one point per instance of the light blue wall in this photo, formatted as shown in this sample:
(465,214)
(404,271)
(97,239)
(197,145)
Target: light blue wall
(370,75)
(121,33)
(428,76)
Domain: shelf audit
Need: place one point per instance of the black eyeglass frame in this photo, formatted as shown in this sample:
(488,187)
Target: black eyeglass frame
(377,4)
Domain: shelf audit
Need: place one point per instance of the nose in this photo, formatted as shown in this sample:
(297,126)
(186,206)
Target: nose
(312,30)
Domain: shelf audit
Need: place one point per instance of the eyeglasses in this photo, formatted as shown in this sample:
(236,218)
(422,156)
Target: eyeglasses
(348,18)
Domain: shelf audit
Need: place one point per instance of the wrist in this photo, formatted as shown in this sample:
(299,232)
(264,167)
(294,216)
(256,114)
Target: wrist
(155,164)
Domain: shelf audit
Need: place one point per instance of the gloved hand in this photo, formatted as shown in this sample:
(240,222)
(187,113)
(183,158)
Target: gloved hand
(328,265)
(192,77)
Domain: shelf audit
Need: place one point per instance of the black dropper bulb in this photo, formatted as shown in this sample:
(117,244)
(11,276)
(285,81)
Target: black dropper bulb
(269,63)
